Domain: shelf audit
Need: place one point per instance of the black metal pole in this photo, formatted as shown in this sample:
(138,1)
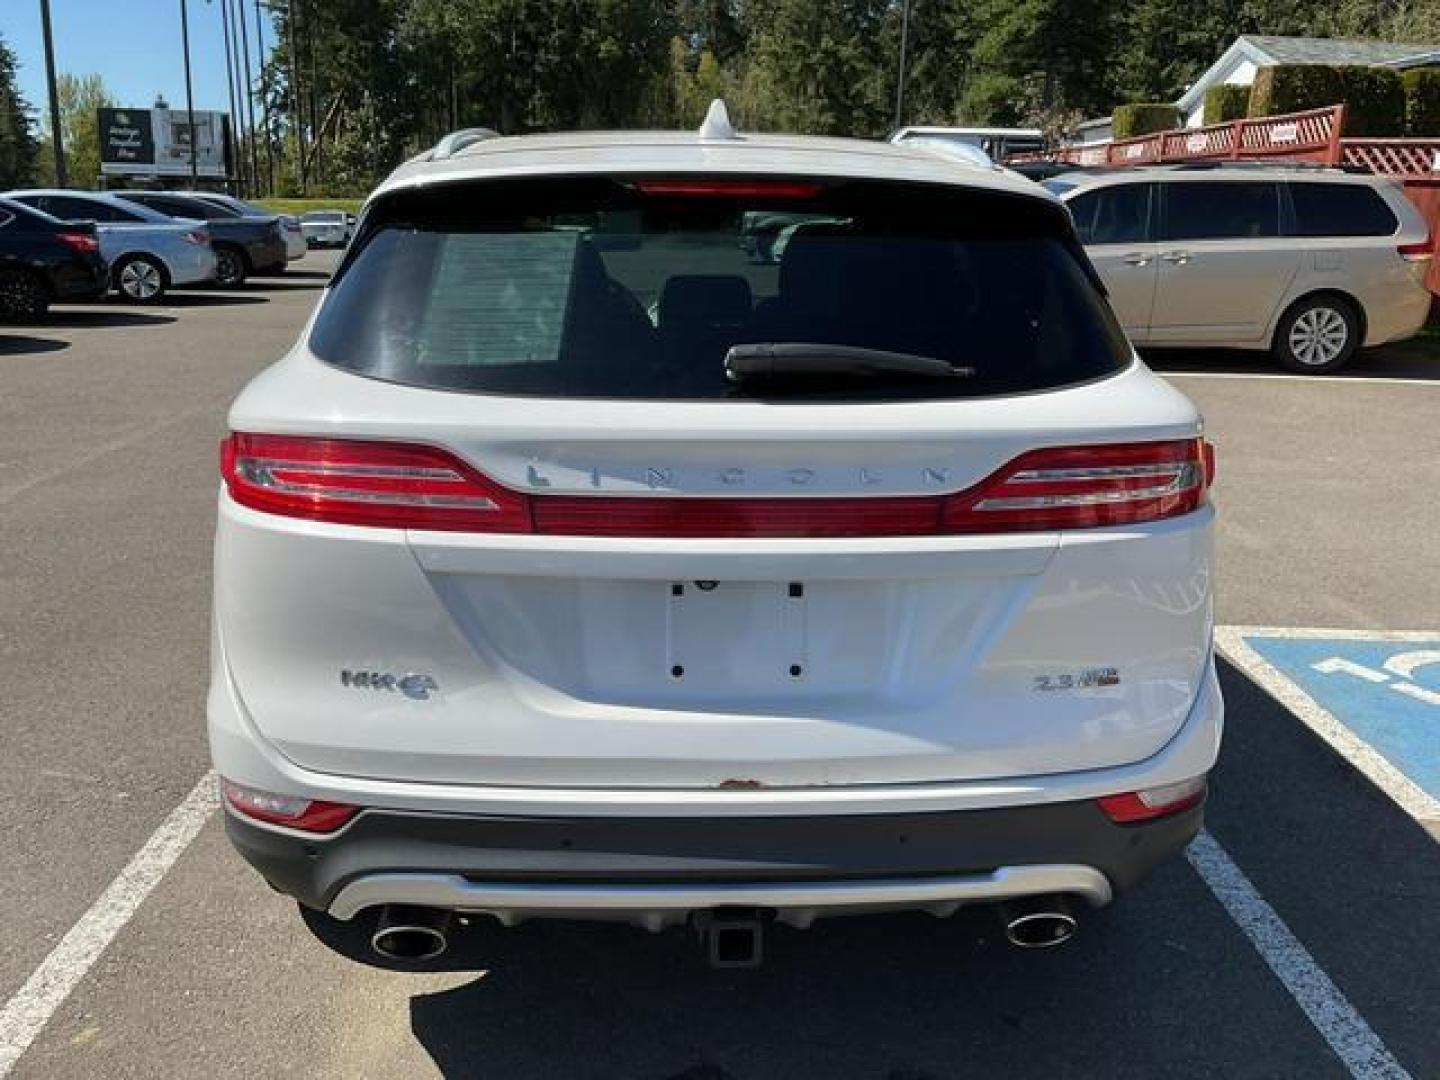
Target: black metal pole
(231,143)
(297,104)
(264,101)
(249,95)
(189,92)
(57,138)
(904,49)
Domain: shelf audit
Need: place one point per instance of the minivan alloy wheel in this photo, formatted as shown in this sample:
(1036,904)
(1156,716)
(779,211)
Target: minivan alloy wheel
(1318,336)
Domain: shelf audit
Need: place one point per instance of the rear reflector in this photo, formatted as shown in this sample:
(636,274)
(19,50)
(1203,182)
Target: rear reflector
(197,236)
(1151,803)
(395,485)
(710,188)
(79,241)
(294,812)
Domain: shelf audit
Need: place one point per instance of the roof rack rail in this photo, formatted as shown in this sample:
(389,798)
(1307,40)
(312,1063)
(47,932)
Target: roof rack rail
(458,140)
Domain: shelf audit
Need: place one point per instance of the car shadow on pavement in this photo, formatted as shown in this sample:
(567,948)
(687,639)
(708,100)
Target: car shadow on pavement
(302,275)
(1418,358)
(210,299)
(86,319)
(278,285)
(22,344)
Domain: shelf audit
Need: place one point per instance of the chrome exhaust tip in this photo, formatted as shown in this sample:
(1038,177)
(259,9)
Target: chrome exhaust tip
(411,934)
(1040,922)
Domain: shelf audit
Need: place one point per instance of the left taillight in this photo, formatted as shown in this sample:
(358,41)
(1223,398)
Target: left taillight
(291,811)
(358,482)
(82,242)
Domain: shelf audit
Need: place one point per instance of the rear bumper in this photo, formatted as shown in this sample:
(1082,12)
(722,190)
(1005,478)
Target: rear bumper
(658,870)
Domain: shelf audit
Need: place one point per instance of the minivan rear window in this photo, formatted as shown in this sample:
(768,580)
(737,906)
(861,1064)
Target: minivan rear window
(617,287)
(1340,210)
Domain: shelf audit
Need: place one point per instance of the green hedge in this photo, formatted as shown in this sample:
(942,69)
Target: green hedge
(1374,97)
(1422,103)
(1144,119)
(1226,102)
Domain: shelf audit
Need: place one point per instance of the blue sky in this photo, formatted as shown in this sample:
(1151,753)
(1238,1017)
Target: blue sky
(133,44)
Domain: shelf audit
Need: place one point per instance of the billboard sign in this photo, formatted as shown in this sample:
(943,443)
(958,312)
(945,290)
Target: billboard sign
(156,142)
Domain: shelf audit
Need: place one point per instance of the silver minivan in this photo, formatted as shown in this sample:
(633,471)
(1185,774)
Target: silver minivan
(1308,263)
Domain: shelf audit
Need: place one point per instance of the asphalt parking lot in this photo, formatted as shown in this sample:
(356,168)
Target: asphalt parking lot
(1296,942)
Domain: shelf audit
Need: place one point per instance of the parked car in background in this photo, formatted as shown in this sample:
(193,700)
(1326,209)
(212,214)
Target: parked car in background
(43,259)
(295,246)
(243,245)
(147,251)
(1308,263)
(326,228)
(997,143)
(576,563)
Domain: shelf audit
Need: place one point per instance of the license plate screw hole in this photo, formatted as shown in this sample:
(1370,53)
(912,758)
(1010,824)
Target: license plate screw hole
(678,671)
(796,671)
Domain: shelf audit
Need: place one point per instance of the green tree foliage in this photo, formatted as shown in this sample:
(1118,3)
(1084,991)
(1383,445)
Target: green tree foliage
(1128,121)
(1422,103)
(80,98)
(373,81)
(1226,102)
(17,139)
(1374,97)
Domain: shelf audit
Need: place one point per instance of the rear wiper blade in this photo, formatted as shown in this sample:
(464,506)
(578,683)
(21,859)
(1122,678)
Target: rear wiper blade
(769,358)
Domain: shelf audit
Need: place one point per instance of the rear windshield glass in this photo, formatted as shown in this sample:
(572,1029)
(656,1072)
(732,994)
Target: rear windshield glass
(1340,210)
(609,287)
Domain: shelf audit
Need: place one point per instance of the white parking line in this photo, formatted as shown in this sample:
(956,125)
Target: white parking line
(30,1009)
(1335,380)
(1408,795)
(1352,1039)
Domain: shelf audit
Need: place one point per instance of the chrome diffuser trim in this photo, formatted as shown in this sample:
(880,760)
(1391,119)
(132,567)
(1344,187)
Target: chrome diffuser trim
(658,905)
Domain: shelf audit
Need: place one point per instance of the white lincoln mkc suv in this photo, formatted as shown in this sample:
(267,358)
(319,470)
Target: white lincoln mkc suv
(715,529)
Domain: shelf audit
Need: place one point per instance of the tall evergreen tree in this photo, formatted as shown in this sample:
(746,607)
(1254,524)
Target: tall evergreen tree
(17,136)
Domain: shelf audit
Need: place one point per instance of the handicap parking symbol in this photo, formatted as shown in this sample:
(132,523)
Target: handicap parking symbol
(1386,692)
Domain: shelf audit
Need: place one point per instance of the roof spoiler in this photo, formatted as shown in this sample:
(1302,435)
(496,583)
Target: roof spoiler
(458,140)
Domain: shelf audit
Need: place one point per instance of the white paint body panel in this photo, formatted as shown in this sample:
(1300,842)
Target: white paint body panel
(920,658)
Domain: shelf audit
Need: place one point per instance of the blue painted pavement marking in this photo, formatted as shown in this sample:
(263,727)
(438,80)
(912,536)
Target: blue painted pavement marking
(1386,692)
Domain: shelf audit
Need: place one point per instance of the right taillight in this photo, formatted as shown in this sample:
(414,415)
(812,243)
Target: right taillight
(1419,252)
(1078,487)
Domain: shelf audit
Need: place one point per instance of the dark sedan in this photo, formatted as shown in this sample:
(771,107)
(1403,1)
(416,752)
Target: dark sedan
(43,259)
(243,245)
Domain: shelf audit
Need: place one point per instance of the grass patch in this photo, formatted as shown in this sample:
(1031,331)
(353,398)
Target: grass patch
(303,206)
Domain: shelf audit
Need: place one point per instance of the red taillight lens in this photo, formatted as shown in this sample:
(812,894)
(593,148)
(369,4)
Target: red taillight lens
(1420,252)
(712,188)
(79,241)
(355,482)
(1077,487)
(1132,806)
(399,485)
(292,811)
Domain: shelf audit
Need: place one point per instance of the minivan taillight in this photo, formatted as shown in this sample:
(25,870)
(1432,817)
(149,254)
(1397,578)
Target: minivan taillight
(401,485)
(1421,252)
